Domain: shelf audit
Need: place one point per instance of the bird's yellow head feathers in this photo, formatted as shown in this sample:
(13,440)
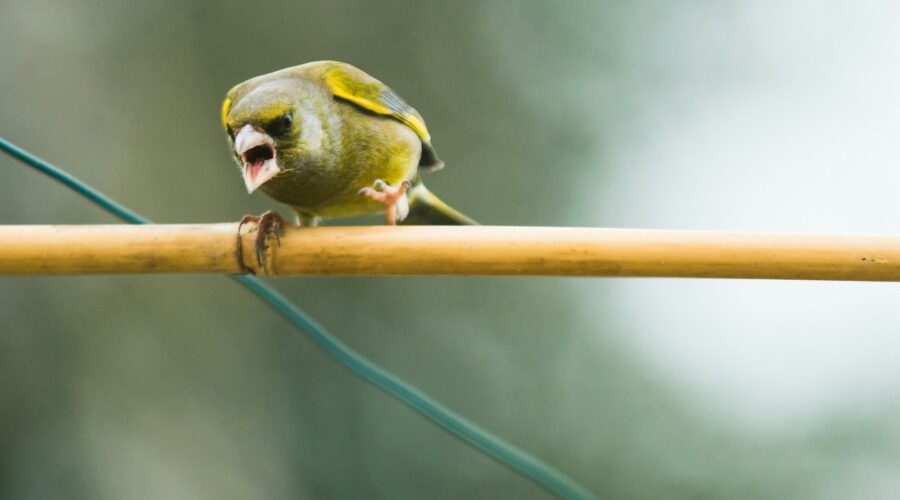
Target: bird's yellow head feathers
(263,121)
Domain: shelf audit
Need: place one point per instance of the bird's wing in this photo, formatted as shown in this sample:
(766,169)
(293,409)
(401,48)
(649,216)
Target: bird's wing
(353,85)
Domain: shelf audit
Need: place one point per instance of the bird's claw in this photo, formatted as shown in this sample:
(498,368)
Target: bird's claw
(393,198)
(270,223)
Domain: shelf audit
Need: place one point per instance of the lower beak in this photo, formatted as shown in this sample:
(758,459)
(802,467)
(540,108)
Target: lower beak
(258,155)
(255,175)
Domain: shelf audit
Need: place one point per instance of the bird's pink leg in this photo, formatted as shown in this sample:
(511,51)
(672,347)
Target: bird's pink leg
(394,200)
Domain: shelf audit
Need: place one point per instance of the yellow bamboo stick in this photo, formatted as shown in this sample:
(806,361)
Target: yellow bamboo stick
(435,250)
(105,249)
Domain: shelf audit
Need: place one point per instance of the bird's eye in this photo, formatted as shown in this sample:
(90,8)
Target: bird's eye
(230,131)
(281,125)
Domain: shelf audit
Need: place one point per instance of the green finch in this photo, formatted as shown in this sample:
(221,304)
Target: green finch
(329,140)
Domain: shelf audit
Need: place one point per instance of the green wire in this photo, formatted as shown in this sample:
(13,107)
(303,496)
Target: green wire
(544,475)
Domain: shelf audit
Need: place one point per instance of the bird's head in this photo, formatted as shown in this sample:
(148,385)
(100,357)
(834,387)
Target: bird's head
(262,123)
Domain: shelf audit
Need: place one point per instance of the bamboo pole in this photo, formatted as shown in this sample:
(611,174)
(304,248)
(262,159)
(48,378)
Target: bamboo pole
(437,250)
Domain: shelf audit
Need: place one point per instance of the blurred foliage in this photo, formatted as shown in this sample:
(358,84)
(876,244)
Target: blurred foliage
(187,387)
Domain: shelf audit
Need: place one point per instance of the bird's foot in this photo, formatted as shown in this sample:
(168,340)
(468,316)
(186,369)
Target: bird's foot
(270,223)
(396,205)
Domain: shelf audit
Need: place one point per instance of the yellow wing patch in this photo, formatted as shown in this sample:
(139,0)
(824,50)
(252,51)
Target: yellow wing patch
(372,95)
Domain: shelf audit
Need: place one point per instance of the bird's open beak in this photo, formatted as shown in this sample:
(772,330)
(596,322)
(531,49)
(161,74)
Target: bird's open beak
(257,152)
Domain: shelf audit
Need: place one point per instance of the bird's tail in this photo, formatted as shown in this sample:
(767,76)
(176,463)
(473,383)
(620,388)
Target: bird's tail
(427,209)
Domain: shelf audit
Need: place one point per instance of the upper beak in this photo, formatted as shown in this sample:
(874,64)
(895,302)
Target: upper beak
(259,156)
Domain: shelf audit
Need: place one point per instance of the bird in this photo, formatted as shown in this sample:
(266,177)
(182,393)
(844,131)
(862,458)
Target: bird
(329,140)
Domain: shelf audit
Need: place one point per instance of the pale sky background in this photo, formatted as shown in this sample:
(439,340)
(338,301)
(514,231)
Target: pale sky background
(789,123)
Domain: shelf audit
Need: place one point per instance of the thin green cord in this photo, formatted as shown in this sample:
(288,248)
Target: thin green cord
(544,475)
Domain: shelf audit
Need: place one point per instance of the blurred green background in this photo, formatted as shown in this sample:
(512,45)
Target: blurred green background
(736,114)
